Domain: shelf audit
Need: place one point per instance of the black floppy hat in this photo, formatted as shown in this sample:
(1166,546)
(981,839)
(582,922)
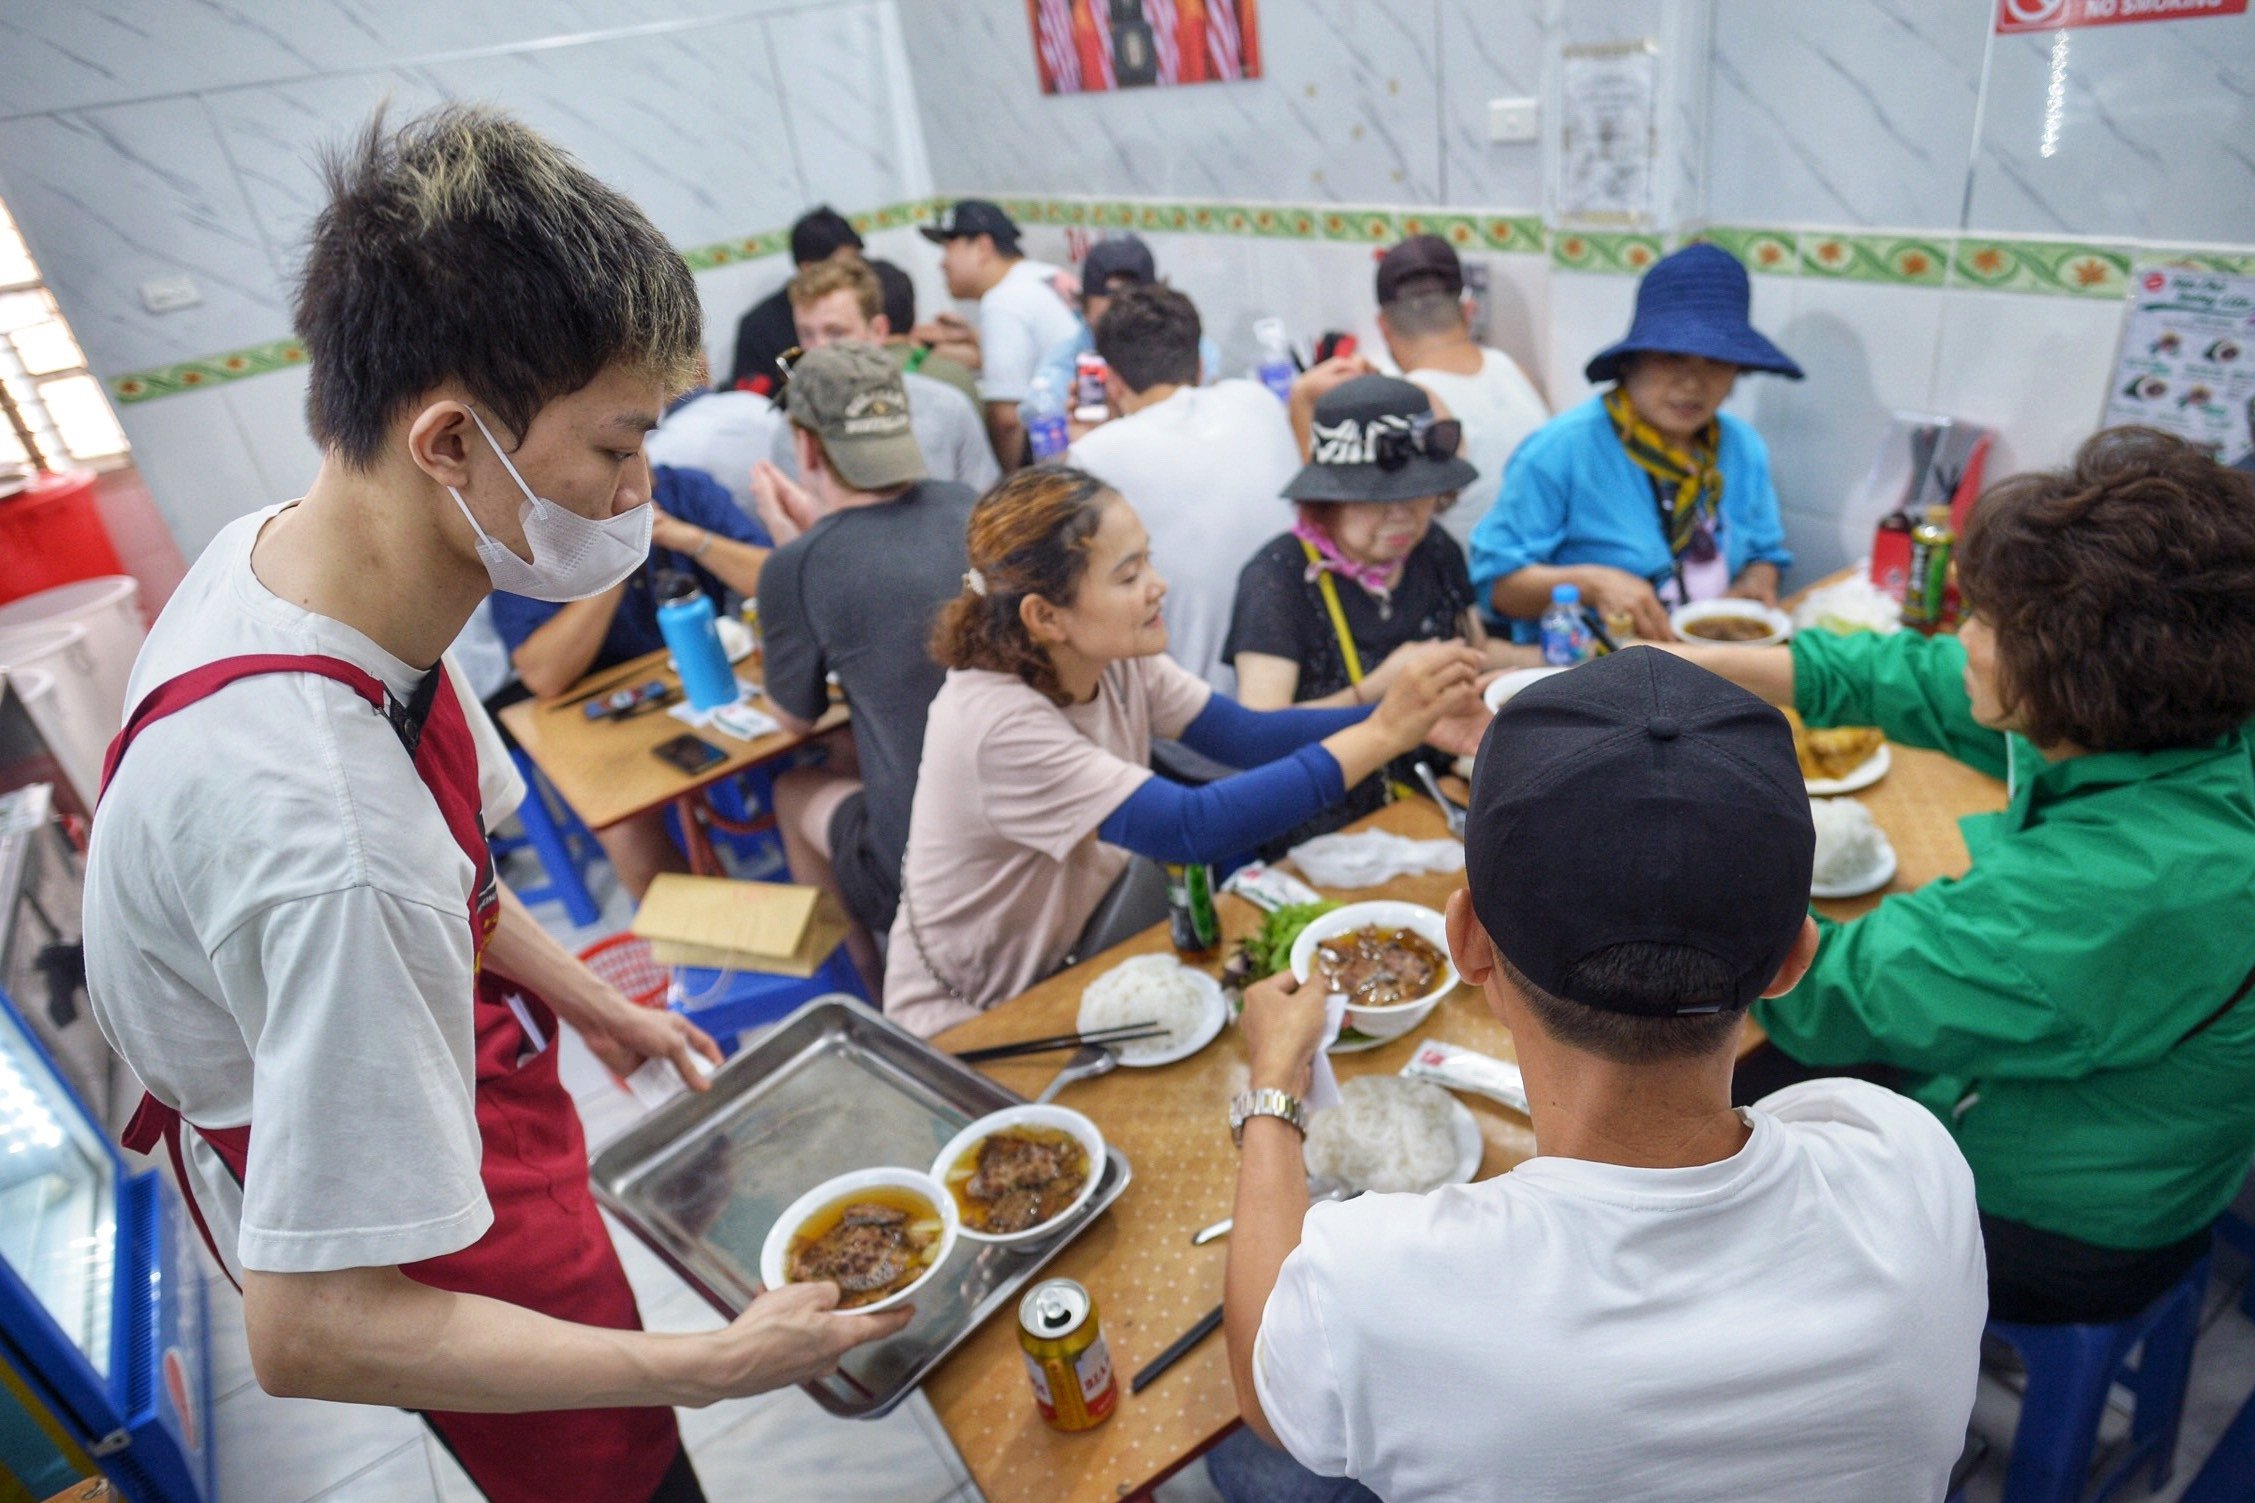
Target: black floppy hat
(1375,438)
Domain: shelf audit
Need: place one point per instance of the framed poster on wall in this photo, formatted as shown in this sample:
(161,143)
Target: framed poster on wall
(1096,46)
(2187,359)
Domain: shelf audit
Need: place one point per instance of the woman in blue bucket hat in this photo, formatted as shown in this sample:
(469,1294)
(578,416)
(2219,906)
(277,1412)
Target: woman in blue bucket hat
(1645,496)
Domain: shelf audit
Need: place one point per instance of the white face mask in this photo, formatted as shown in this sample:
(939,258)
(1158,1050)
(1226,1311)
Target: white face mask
(573,556)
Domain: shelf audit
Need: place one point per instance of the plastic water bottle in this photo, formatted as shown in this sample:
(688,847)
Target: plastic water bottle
(686,620)
(1565,635)
(1275,369)
(1045,429)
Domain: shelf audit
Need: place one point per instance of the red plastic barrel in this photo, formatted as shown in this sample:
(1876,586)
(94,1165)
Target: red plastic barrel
(51,533)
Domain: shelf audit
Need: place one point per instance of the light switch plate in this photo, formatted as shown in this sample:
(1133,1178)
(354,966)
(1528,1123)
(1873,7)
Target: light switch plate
(1512,121)
(170,294)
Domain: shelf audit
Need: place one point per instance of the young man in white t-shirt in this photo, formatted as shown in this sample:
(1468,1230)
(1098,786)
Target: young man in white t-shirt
(346,1026)
(1025,307)
(1673,1299)
(1203,466)
(1421,317)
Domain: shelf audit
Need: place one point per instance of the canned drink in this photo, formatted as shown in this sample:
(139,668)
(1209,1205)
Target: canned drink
(1191,915)
(1065,1355)
(1088,386)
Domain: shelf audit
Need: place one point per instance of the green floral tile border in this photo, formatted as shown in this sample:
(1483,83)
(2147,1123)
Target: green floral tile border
(1889,258)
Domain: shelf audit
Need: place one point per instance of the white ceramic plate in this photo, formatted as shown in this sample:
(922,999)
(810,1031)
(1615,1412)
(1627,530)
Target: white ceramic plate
(775,1251)
(1143,1054)
(1780,624)
(1033,1114)
(1499,693)
(1881,873)
(1860,777)
(1464,1130)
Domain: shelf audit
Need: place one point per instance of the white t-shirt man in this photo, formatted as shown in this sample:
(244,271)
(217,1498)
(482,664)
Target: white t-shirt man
(277,932)
(947,428)
(1801,1320)
(723,433)
(1020,318)
(1205,470)
(1498,407)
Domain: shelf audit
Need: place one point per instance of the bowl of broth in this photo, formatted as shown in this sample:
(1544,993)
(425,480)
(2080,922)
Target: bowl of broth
(875,1233)
(1020,1174)
(1740,623)
(1390,960)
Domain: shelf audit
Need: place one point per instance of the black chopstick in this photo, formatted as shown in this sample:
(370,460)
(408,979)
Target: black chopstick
(1207,1325)
(1124,1033)
(1598,633)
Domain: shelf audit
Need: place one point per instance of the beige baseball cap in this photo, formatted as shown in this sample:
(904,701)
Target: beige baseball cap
(851,397)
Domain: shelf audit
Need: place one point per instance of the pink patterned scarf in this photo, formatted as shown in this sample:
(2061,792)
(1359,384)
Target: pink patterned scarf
(1374,578)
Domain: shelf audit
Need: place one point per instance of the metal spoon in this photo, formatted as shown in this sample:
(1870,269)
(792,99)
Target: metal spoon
(1221,1228)
(1451,810)
(1088,1062)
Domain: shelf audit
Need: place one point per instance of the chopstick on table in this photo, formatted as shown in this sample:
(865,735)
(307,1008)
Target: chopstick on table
(1124,1033)
(1207,1324)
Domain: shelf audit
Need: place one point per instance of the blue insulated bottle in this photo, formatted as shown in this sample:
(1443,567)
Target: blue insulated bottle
(685,617)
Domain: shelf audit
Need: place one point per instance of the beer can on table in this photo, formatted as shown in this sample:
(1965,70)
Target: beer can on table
(1065,1355)
(1191,916)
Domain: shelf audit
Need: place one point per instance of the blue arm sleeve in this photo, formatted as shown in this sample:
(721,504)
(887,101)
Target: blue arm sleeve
(1237,737)
(1167,821)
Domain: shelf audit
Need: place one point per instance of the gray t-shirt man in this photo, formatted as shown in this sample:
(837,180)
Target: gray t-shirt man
(856,596)
(947,427)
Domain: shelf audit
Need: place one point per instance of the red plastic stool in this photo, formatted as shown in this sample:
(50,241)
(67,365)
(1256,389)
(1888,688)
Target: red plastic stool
(625,961)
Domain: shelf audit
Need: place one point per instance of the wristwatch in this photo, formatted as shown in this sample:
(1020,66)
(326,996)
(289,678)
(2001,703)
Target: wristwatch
(1265,1102)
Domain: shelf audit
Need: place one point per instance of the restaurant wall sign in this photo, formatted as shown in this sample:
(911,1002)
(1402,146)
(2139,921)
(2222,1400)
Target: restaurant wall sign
(2186,363)
(2052,15)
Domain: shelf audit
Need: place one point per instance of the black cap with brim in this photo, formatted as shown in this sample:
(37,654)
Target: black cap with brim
(972,216)
(1349,421)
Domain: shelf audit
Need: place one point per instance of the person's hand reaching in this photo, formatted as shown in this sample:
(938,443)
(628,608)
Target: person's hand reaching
(786,508)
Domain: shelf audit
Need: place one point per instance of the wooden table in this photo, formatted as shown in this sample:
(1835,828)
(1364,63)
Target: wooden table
(607,769)
(1150,1284)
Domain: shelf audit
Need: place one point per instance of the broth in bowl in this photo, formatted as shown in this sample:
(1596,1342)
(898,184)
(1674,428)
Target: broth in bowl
(871,1243)
(1378,965)
(1728,629)
(1018,1178)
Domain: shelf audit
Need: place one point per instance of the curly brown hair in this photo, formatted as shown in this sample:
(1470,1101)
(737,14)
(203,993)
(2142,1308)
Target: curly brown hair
(1029,536)
(2121,589)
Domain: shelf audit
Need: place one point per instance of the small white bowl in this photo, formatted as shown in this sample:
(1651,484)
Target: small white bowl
(1499,693)
(1395,1018)
(1780,625)
(775,1252)
(1064,1119)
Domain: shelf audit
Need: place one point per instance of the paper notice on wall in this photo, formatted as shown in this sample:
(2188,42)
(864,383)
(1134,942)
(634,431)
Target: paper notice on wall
(2187,361)
(1609,136)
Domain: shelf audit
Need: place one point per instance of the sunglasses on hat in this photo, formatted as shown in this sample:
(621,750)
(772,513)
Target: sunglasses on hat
(1395,447)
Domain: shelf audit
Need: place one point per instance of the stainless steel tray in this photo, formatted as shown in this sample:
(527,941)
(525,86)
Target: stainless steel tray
(831,1088)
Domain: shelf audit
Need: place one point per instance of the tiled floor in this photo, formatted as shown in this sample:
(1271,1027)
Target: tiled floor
(781,1448)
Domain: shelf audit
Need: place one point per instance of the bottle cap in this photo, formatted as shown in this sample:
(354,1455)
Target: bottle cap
(1566,594)
(1938,516)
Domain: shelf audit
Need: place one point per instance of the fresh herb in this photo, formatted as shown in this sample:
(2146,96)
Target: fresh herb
(1270,949)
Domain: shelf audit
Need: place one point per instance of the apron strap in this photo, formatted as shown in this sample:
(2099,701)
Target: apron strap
(176,694)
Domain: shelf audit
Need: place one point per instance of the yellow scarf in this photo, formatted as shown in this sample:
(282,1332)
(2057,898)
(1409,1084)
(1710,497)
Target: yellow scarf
(1697,481)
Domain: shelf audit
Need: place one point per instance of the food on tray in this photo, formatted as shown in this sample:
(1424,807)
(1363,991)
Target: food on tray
(1728,628)
(1832,754)
(1018,1178)
(1148,989)
(870,1244)
(1849,845)
(1378,965)
(1269,950)
(1386,1134)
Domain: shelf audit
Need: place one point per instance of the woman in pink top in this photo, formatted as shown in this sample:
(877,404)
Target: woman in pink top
(1036,783)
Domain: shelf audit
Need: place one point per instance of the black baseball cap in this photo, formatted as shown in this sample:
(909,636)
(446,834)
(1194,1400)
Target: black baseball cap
(972,216)
(1127,256)
(1637,798)
(1420,258)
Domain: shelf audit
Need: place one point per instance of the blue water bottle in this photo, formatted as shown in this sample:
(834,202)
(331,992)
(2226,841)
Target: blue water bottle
(1565,635)
(685,618)
(1045,429)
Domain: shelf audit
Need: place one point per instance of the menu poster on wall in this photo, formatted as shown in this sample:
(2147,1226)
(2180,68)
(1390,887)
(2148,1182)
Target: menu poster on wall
(1608,138)
(2057,15)
(1096,46)
(2187,362)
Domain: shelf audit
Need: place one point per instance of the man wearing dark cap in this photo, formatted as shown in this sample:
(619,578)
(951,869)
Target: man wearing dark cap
(868,550)
(762,335)
(1422,319)
(1111,267)
(1025,307)
(1672,1299)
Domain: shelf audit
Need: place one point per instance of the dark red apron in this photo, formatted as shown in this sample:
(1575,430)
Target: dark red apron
(547,1249)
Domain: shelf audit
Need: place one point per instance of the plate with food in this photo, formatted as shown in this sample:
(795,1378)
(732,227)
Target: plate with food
(1741,623)
(1499,693)
(1839,759)
(1853,856)
(1159,989)
(1389,960)
(1022,1173)
(1389,1134)
(875,1233)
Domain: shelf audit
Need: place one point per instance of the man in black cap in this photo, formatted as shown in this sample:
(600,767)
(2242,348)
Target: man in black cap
(1111,267)
(764,334)
(1672,1298)
(1025,307)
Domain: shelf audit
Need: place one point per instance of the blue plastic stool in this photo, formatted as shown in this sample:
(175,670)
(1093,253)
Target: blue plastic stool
(2071,1368)
(2228,1476)
(728,1003)
(564,845)
(2238,1233)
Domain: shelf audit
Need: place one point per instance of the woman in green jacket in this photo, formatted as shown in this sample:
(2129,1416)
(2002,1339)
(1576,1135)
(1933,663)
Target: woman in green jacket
(2075,1006)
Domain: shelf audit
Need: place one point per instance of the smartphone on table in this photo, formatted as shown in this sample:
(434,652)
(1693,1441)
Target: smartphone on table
(689,753)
